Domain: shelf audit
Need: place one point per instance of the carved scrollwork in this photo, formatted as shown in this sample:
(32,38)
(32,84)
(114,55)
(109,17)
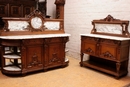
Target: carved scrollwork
(107,55)
(110,18)
(34,13)
(54,57)
(89,50)
(35,61)
(65,39)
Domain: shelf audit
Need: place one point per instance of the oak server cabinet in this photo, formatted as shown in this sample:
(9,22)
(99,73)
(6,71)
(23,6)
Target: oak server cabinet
(29,55)
(107,46)
(33,42)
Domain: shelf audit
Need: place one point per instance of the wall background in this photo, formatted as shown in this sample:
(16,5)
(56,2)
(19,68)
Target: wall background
(51,8)
(79,14)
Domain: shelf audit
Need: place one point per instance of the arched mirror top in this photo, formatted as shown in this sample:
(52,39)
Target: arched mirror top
(110,26)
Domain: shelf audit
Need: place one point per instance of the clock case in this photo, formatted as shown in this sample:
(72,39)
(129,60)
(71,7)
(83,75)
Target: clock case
(32,17)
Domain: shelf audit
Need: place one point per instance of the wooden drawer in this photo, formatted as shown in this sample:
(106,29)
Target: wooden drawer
(55,40)
(11,42)
(89,39)
(110,42)
(33,41)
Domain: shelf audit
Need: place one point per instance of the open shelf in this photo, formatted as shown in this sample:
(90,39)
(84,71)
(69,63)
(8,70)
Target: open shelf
(12,68)
(11,60)
(12,56)
(104,67)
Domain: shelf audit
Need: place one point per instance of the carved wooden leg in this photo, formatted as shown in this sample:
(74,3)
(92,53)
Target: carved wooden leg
(118,65)
(81,62)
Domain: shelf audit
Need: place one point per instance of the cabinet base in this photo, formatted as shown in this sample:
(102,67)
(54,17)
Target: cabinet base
(20,73)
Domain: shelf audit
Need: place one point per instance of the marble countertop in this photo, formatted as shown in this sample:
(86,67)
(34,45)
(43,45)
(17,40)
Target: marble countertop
(34,36)
(106,37)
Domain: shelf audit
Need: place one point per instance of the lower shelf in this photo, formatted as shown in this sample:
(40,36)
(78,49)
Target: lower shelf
(104,68)
(12,68)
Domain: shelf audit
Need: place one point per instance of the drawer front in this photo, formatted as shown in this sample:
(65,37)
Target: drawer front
(56,40)
(11,42)
(89,39)
(110,42)
(33,41)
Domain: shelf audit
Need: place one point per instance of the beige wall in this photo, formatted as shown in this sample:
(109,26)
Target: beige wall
(51,8)
(80,13)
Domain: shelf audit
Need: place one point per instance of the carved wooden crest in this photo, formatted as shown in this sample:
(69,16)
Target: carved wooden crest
(110,18)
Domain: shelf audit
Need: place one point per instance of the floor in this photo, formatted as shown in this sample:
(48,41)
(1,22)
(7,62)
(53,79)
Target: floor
(70,76)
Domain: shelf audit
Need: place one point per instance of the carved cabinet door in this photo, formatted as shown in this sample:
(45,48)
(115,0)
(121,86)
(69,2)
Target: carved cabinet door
(54,52)
(15,10)
(33,58)
(89,45)
(3,10)
(109,49)
(27,9)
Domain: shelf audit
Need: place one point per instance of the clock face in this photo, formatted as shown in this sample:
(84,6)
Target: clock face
(36,22)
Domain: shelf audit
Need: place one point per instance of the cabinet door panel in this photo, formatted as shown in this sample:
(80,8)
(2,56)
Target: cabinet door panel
(89,45)
(15,10)
(55,55)
(34,58)
(109,52)
(89,48)
(3,10)
(27,10)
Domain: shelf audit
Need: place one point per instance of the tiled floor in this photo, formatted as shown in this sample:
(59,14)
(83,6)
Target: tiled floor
(70,76)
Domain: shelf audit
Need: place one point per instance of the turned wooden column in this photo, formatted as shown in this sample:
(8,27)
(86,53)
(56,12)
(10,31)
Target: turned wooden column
(60,9)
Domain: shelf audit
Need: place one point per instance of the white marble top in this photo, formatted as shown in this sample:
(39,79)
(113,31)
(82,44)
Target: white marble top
(34,36)
(106,37)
